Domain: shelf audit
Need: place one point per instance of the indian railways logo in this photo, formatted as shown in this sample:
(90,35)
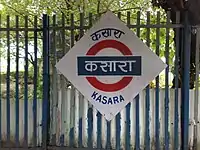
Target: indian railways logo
(92,66)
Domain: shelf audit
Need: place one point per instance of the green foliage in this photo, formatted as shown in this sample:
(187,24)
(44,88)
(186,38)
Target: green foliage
(39,80)
(32,8)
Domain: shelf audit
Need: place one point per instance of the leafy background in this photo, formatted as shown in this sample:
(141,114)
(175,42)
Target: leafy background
(32,8)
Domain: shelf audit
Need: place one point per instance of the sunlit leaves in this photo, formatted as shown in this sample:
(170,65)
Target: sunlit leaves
(33,8)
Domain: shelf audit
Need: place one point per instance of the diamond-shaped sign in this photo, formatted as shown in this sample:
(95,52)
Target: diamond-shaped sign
(110,65)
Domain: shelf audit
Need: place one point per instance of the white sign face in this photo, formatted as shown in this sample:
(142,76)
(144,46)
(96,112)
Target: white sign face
(110,65)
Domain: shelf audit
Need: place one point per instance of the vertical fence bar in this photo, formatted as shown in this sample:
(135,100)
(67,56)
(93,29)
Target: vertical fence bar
(147,104)
(72,30)
(26,84)
(176,68)
(45,102)
(157,122)
(68,123)
(122,128)
(113,133)
(85,120)
(72,44)
(35,84)
(108,145)
(99,130)
(17,85)
(185,85)
(118,130)
(90,126)
(196,89)
(81,25)
(85,102)
(54,89)
(54,104)
(137,137)
(76,108)
(86,136)
(68,137)
(48,85)
(76,117)
(8,80)
(104,132)
(63,85)
(0,89)
(167,86)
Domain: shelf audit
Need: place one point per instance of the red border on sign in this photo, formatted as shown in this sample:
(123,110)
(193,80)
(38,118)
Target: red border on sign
(97,48)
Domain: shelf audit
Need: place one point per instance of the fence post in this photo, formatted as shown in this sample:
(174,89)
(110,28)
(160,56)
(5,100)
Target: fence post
(45,103)
(185,80)
(196,102)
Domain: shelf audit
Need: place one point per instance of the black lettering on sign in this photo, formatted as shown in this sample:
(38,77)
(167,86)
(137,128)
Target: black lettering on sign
(107,100)
(106,32)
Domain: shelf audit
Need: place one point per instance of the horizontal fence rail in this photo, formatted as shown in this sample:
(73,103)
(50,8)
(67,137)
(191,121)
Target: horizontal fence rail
(40,107)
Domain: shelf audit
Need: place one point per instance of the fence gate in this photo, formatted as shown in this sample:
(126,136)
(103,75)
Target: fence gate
(40,108)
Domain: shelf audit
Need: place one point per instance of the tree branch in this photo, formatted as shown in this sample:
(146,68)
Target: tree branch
(98,8)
